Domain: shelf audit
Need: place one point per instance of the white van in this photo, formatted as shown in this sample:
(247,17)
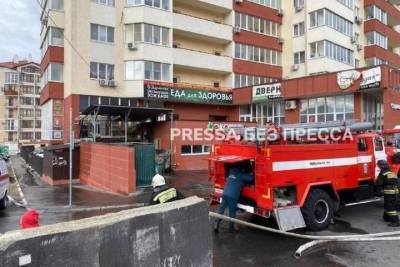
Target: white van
(4,184)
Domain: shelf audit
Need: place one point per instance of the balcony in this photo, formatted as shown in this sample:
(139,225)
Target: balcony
(215,6)
(199,60)
(376,51)
(376,25)
(387,6)
(207,29)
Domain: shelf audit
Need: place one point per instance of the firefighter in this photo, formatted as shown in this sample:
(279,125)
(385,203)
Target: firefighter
(230,197)
(388,181)
(162,193)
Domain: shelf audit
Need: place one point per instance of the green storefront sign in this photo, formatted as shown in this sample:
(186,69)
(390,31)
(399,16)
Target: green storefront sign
(163,93)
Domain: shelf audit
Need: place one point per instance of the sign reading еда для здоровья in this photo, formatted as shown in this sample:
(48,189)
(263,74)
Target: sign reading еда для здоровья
(267,91)
(185,94)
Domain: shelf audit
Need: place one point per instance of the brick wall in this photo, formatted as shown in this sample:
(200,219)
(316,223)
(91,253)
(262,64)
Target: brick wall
(108,167)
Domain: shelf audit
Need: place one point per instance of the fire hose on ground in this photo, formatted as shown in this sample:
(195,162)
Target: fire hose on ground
(316,240)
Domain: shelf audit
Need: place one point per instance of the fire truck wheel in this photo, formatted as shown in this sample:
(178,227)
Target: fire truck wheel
(318,210)
(3,203)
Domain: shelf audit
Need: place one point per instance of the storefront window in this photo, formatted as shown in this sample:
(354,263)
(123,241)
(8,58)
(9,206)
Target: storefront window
(325,109)
(372,106)
(263,113)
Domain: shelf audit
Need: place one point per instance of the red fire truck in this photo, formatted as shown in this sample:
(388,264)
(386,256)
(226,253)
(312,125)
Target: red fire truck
(302,183)
(392,138)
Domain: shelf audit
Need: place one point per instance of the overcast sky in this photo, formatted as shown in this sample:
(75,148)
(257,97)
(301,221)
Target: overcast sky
(19,29)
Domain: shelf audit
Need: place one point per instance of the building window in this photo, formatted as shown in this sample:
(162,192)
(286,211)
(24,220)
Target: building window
(162,4)
(11,78)
(299,58)
(195,150)
(275,4)
(54,37)
(243,80)
(53,73)
(101,71)
(374,12)
(257,54)
(101,33)
(373,110)
(375,61)
(298,3)
(147,33)
(147,70)
(298,29)
(104,2)
(257,25)
(333,51)
(57,5)
(326,109)
(326,17)
(263,113)
(348,3)
(375,38)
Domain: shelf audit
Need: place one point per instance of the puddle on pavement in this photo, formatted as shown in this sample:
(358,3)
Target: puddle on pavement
(341,226)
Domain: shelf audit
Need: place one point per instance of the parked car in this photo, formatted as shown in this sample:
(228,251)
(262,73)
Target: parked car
(4,184)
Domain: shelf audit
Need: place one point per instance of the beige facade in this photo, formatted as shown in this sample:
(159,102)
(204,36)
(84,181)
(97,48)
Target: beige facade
(21,119)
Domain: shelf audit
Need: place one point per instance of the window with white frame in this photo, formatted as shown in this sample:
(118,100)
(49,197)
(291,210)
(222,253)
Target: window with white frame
(56,4)
(161,4)
(243,80)
(140,32)
(331,50)
(275,4)
(11,78)
(257,54)
(375,38)
(101,71)
(326,17)
(326,109)
(374,12)
(54,37)
(298,29)
(263,113)
(373,110)
(348,3)
(375,61)
(195,150)
(317,49)
(53,73)
(104,2)
(299,57)
(147,70)
(255,24)
(298,3)
(101,33)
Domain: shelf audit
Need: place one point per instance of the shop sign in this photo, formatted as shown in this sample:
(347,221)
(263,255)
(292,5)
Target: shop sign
(371,78)
(267,91)
(395,106)
(186,95)
(223,126)
(346,79)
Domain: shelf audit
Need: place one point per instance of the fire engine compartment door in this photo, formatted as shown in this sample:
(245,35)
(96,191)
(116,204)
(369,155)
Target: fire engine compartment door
(289,218)
(380,153)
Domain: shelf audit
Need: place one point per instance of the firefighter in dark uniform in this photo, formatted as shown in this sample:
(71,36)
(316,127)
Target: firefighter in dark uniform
(162,193)
(388,182)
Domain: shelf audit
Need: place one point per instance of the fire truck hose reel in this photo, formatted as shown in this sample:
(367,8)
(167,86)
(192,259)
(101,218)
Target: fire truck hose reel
(316,240)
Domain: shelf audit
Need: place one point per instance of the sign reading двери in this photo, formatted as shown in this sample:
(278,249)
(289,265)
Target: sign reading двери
(186,95)
(267,91)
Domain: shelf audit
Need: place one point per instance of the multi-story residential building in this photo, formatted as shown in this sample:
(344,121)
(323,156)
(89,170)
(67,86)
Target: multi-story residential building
(21,120)
(142,52)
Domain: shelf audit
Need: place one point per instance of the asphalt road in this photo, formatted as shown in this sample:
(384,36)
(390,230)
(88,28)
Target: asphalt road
(248,247)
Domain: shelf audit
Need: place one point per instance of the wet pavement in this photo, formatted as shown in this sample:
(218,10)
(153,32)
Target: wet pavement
(248,247)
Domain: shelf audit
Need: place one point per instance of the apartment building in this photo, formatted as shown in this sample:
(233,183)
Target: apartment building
(190,55)
(19,102)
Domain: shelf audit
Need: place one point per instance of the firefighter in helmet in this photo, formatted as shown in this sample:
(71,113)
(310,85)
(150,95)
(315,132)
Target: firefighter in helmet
(388,182)
(162,193)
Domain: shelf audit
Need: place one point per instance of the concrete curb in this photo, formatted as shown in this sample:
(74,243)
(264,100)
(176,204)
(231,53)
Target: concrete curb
(21,193)
(67,209)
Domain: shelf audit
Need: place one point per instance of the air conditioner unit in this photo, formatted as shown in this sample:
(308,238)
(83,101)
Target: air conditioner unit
(237,29)
(132,46)
(112,83)
(280,12)
(291,105)
(358,20)
(353,39)
(295,67)
(359,47)
(281,40)
(238,1)
(299,8)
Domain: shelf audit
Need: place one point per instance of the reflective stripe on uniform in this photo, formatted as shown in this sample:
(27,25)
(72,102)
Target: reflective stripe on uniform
(166,195)
(391,213)
(390,175)
(390,191)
